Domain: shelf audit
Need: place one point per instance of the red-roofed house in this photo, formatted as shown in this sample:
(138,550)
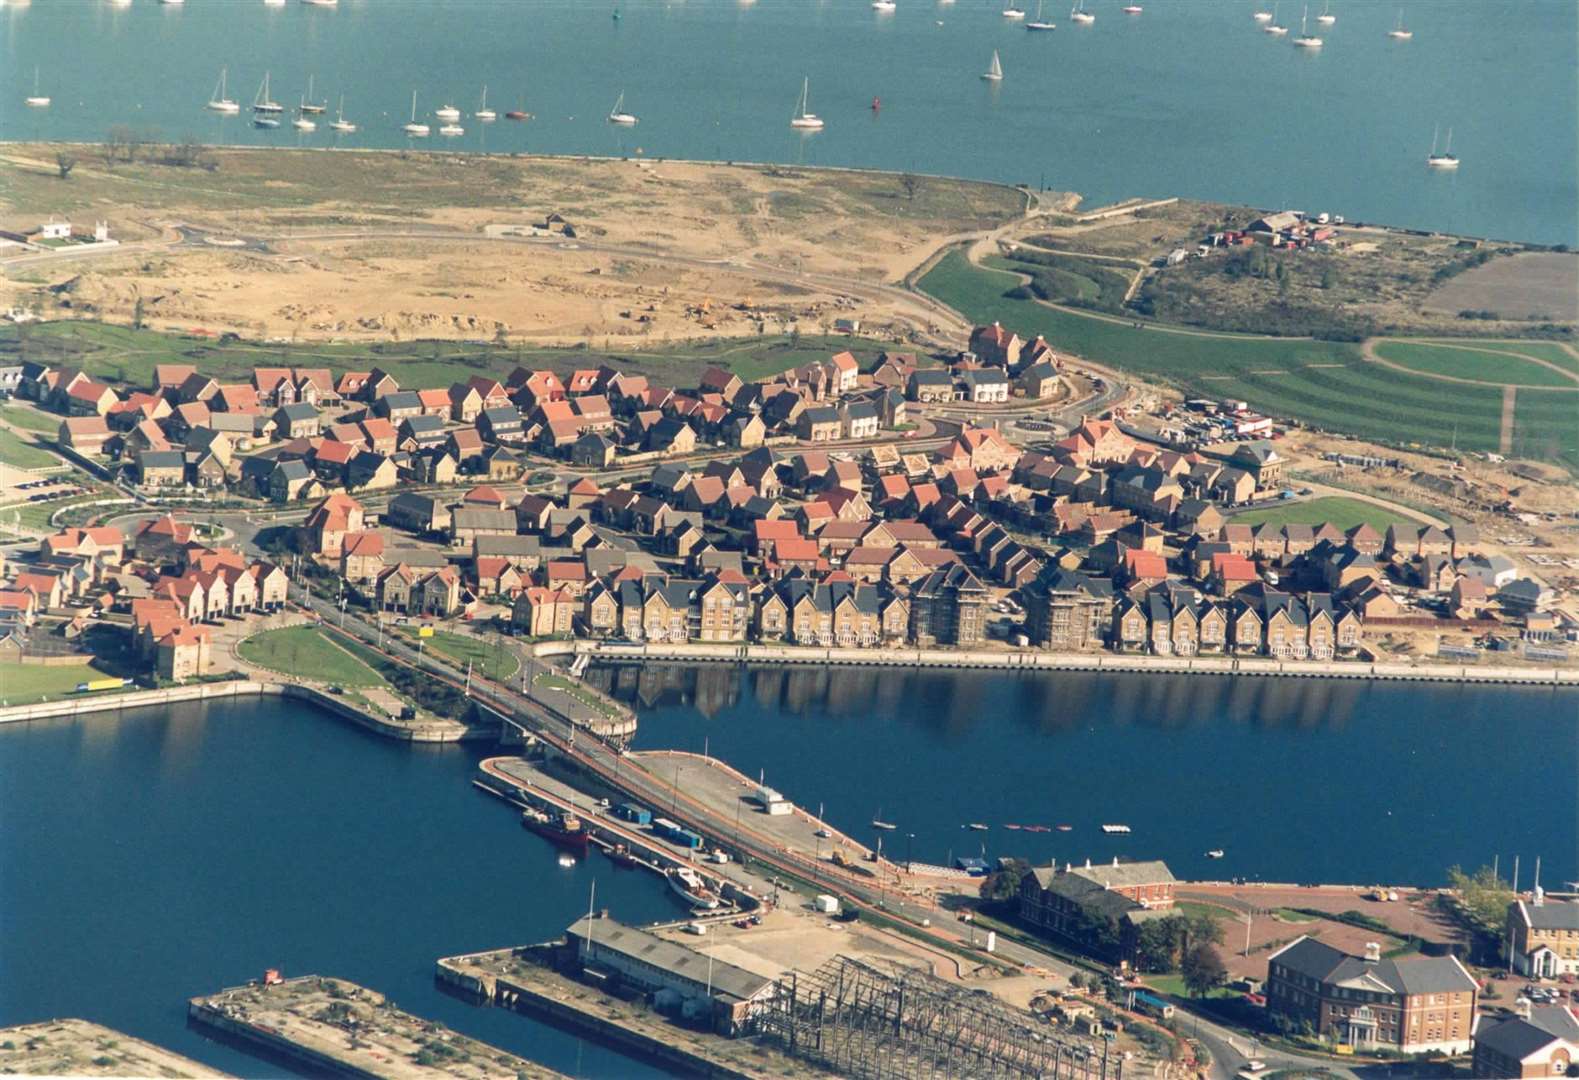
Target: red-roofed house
(184,652)
(361,557)
(324,531)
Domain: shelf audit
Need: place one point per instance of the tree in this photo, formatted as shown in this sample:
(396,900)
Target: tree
(910,183)
(1484,895)
(65,163)
(137,314)
(1203,970)
(1004,884)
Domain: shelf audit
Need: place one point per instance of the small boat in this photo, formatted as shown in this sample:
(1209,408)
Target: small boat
(687,883)
(1398,33)
(217,101)
(1263,16)
(877,104)
(994,72)
(886,826)
(412,127)
(340,123)
(37,100)
(1133,9)
(1081,15)
(273,3)
(451,130)
(885,6)
(264,103)
(1110,829)
(562,828)
(1014,11)
(322,3)
(621,856)
(1066,828)
(1039,23)
(309,106)
(264,120)
(1326,18)
(1445,159)
(172,3)
(616,14)
(618,115)
(1306,39)
(1215,853)
(302,123)
(447,113)
(486,115)
(1012,828)
(804,118)
(975,826)
(518,114)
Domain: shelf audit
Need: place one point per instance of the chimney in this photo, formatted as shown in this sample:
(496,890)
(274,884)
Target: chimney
(1373,952)
(1521,1008)
(1538,897)
(1069,867)
(1088,864)
(1115,860)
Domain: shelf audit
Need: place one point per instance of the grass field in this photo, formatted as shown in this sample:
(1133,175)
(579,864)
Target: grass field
(304,651)
(1341,512)
(1319,383)
(1546,426)
(577,691)
(1489,363)
(23,684)
(493,663)
(15,450)
(29,419)
(127,357)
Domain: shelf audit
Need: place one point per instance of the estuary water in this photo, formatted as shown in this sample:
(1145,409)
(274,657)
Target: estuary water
(1190,97)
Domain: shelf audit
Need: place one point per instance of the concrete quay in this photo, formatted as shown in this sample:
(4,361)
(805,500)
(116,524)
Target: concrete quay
(81,1048)
(321,1025)
(524,979)
(1036,660)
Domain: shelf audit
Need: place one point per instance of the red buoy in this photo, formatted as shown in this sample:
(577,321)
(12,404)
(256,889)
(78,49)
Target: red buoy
(877,103)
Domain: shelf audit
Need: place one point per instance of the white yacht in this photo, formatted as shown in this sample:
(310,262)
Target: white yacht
(264,103)
(1133,9)
(1306,39)
(273,3)
(322,3)
(1039,23)
(309,105)
(1445,159)
(883,5)
(1081,15)
(1274,27)
(302,121)
(451,130)
(618,115)
(484,114)
(1326,18)
(1398,33)
(1263,16)
(36,100)
(218,102)
(1014,12)
(994,72)
(340,123)
(447,113)
(804,118)
(411,127)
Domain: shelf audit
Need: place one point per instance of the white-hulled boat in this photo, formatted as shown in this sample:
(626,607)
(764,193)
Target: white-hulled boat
(301,122)
(1445,159)
(1039,23)
(484,114)
(883,5)
(217,101)
(451,130)
(309,106)
(618,115)
(36,100)
(1133,9)
(1081,15)
(172,3)
(322,3)
(1014,12)
(447,113)
(412,127)
(1215,853)
(265,120)
(340,123)
(263,102)
(688,885)
(273,3)
(1306,39)
(1274,27)
(1112,829)
(804,119)
(994,72)
(1263,16)
(1398,33)
(1326,18)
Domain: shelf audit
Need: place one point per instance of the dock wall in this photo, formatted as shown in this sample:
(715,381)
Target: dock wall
(1035,660)
(274,1044)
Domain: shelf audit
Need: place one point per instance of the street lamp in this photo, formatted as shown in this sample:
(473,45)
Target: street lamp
(909,839)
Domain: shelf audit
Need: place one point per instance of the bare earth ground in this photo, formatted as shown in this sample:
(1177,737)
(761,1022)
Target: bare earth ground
(1532,285)
(79,1048)
(317,279)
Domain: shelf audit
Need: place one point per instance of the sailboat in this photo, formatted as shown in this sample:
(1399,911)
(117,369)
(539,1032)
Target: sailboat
(1133,9)
(1326,18)
(994,72)
(1081,15)
(1444,160)
(263,103)
(302,123)
(1274,27)
(310,106)
(340,123)
(447,113)
(1039,23)
(37,100)
(1398,33)
(217,101)
(618,115)
(484,113)
(1306,39)
(411,127)
(804,118)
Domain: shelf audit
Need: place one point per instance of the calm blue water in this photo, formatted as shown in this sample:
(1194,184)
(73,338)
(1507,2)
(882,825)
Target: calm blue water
(1189,98)
(1323,780)
(149,858)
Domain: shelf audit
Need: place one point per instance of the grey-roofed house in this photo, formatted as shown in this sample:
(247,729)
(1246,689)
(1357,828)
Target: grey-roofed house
(1543,937)
(1544,1043)
(468,524)
(502,425)
(298,421)
(1097,906)
(398,406)
(418,513)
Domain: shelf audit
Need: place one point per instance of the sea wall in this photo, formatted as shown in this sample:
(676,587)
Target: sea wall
(1033,660)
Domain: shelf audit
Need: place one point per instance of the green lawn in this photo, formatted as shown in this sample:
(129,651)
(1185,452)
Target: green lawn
(1174,984)
(29,419)
(1341,512)
(1491,364)
(1550,351)
(25,684)
(305,651)
(497,663)
(1546,426)
(15,450)
(1320,383)
(576,690)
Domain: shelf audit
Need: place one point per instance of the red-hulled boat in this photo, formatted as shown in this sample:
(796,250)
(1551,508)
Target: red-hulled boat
(562,828)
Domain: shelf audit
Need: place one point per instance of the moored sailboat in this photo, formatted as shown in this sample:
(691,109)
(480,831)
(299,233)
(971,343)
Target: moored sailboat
(37,100)
(264,103)
(804,119)
(1398,33)
(994,72)
(412,127)
(218,101)
(484,114)
(1039,23)
(340,123)
(1445,159)
(1306,39)
(1081,15)
(618,115)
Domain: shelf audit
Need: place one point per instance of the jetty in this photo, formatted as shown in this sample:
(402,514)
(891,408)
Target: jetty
(72,1047)
(323,1025)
